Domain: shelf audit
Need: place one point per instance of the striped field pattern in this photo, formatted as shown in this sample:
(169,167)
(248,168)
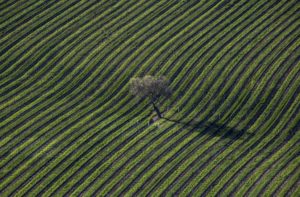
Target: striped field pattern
(69,127)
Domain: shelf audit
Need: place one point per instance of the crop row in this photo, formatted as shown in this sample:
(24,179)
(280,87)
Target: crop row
(69,127)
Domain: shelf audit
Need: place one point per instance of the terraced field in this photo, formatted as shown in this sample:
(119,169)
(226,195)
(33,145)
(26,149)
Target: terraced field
(69,126)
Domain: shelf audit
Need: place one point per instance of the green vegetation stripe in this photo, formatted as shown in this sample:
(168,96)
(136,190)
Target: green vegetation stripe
(69,126)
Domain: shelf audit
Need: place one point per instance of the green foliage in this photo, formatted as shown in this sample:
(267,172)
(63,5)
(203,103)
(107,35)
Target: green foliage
(150,86)
(69,127)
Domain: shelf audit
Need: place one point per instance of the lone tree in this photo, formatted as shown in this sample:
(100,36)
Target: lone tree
(152,88)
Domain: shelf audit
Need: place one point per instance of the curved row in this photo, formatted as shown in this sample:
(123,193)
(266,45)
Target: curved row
(69,127)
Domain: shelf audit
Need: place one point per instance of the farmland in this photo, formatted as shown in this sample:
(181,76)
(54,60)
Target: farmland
(70,127)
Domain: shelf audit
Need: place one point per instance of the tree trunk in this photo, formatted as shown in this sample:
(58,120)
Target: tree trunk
(156,110)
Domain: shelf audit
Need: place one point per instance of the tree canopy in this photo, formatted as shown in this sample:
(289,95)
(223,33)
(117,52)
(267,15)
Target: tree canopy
(151,87)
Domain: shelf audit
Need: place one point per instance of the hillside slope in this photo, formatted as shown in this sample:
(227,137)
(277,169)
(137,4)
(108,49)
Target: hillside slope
(70,127)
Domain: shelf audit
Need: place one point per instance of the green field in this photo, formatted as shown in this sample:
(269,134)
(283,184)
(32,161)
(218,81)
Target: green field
(70,127)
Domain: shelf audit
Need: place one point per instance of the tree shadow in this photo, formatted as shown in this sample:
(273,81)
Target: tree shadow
(215,129)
